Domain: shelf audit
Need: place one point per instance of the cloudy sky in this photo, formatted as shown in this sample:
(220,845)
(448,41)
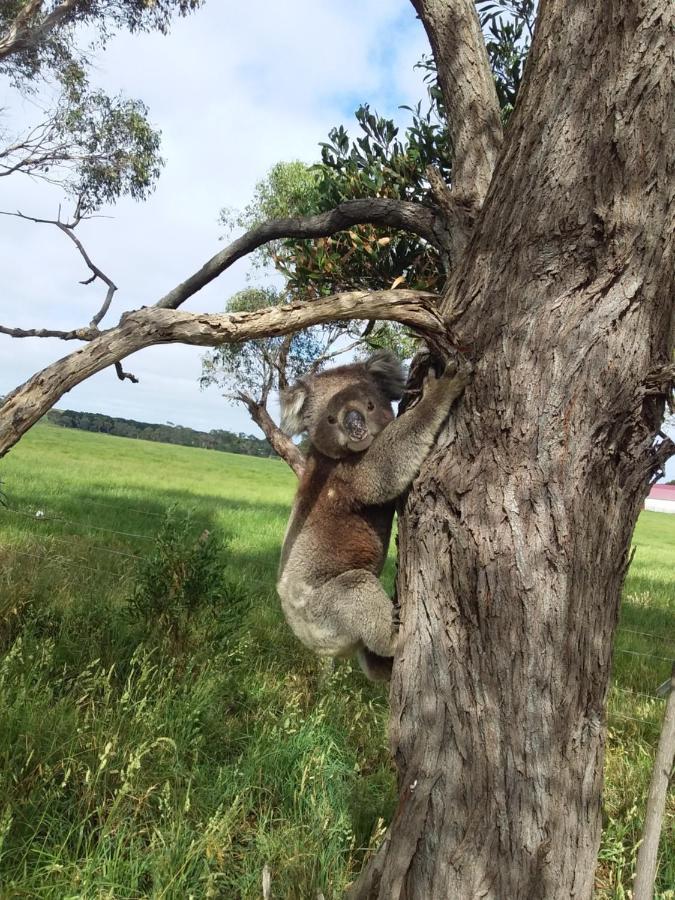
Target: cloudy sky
(234,89)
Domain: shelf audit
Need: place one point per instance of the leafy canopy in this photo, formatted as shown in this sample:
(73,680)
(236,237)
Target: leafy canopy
(95,146)
(383,161)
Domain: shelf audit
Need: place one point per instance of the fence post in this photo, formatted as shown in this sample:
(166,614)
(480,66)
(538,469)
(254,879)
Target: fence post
(645,869)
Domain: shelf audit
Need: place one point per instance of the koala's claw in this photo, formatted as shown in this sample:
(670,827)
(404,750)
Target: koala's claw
(460,374)
(455,375)
(396,617)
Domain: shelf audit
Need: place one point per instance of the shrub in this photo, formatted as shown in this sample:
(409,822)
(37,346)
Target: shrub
(183,576)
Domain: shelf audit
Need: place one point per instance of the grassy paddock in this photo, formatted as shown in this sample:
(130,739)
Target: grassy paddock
(138,761)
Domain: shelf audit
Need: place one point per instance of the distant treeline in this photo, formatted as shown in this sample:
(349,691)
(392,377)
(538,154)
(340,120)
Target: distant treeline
(166,434)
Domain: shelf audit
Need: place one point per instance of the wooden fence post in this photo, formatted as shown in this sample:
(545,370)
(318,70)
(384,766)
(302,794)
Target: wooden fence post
(645,869)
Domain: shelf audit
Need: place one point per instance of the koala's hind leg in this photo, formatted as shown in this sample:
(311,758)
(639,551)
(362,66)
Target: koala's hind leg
(357,606)
(376,668)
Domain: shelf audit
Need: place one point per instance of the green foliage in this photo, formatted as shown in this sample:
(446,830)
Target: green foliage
(96,146)
(289,190)
(129,768)
(377,164)
(47,51)
(180,577)
(119,149)
(383,162)
(508,26)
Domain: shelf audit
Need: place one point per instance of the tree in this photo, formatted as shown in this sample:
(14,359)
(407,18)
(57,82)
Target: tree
(514,539)
(380,163)
(249,372)
(96,147)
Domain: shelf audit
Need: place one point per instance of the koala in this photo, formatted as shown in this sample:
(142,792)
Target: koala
(361,459)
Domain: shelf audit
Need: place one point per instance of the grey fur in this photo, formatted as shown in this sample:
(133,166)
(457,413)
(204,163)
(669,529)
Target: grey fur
(292,401)
(338,534)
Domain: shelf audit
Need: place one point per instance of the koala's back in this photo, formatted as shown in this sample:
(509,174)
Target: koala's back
(329,532)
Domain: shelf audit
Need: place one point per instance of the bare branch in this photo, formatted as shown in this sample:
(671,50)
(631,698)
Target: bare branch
(68,229)
(469,93)
(149,326)
(414,217)
(77,334)
(281,362)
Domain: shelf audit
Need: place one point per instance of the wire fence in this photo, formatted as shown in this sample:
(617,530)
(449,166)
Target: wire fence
(42,518)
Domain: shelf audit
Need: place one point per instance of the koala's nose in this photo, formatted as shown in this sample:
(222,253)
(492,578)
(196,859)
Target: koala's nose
(355,425)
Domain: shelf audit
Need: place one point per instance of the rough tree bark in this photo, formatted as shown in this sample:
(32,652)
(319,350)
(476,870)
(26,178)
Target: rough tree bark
(514,540)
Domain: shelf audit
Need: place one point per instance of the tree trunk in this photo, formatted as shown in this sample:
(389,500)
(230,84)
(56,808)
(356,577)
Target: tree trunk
(514,540)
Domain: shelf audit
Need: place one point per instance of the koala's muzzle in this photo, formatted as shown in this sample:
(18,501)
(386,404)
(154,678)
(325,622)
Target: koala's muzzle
(355,425)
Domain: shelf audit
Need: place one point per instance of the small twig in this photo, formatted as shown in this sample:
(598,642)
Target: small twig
(266,881)
(122,375)
(77,334)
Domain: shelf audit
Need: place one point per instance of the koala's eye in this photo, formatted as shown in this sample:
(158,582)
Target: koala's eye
(332,420)
(371,405)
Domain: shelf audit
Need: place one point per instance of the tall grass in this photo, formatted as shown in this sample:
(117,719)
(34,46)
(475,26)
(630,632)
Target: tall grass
(174,752)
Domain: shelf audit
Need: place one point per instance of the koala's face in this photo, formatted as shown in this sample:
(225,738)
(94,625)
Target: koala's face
(344,409)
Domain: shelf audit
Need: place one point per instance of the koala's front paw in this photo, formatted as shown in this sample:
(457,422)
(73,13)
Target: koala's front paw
(459,375)
(452,382)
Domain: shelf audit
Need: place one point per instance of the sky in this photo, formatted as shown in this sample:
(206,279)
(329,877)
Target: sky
(234,89)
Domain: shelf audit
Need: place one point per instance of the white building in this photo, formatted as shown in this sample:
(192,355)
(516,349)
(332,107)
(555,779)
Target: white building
(661,498)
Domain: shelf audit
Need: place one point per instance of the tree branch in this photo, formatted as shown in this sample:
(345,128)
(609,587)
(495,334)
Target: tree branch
(125,376)
(469,94)
(68,229)
(414,217)
(282,445)
(76,334)
(22,34)
(149,326)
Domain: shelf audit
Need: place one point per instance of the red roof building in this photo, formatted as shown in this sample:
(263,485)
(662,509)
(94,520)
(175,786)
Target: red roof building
(661,498)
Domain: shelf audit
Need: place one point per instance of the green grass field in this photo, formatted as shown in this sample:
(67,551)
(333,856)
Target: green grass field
(173,754)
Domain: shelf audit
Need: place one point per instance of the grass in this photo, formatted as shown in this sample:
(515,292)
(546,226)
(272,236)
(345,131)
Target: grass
(140,760)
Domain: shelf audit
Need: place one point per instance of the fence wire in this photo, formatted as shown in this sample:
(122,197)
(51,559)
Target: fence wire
(40,516)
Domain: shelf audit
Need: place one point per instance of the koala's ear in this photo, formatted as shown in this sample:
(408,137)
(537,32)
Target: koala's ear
(387,370)
(292,402)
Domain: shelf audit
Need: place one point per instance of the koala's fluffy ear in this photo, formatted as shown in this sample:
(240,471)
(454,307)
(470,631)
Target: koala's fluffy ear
(292,402)
(388,372)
